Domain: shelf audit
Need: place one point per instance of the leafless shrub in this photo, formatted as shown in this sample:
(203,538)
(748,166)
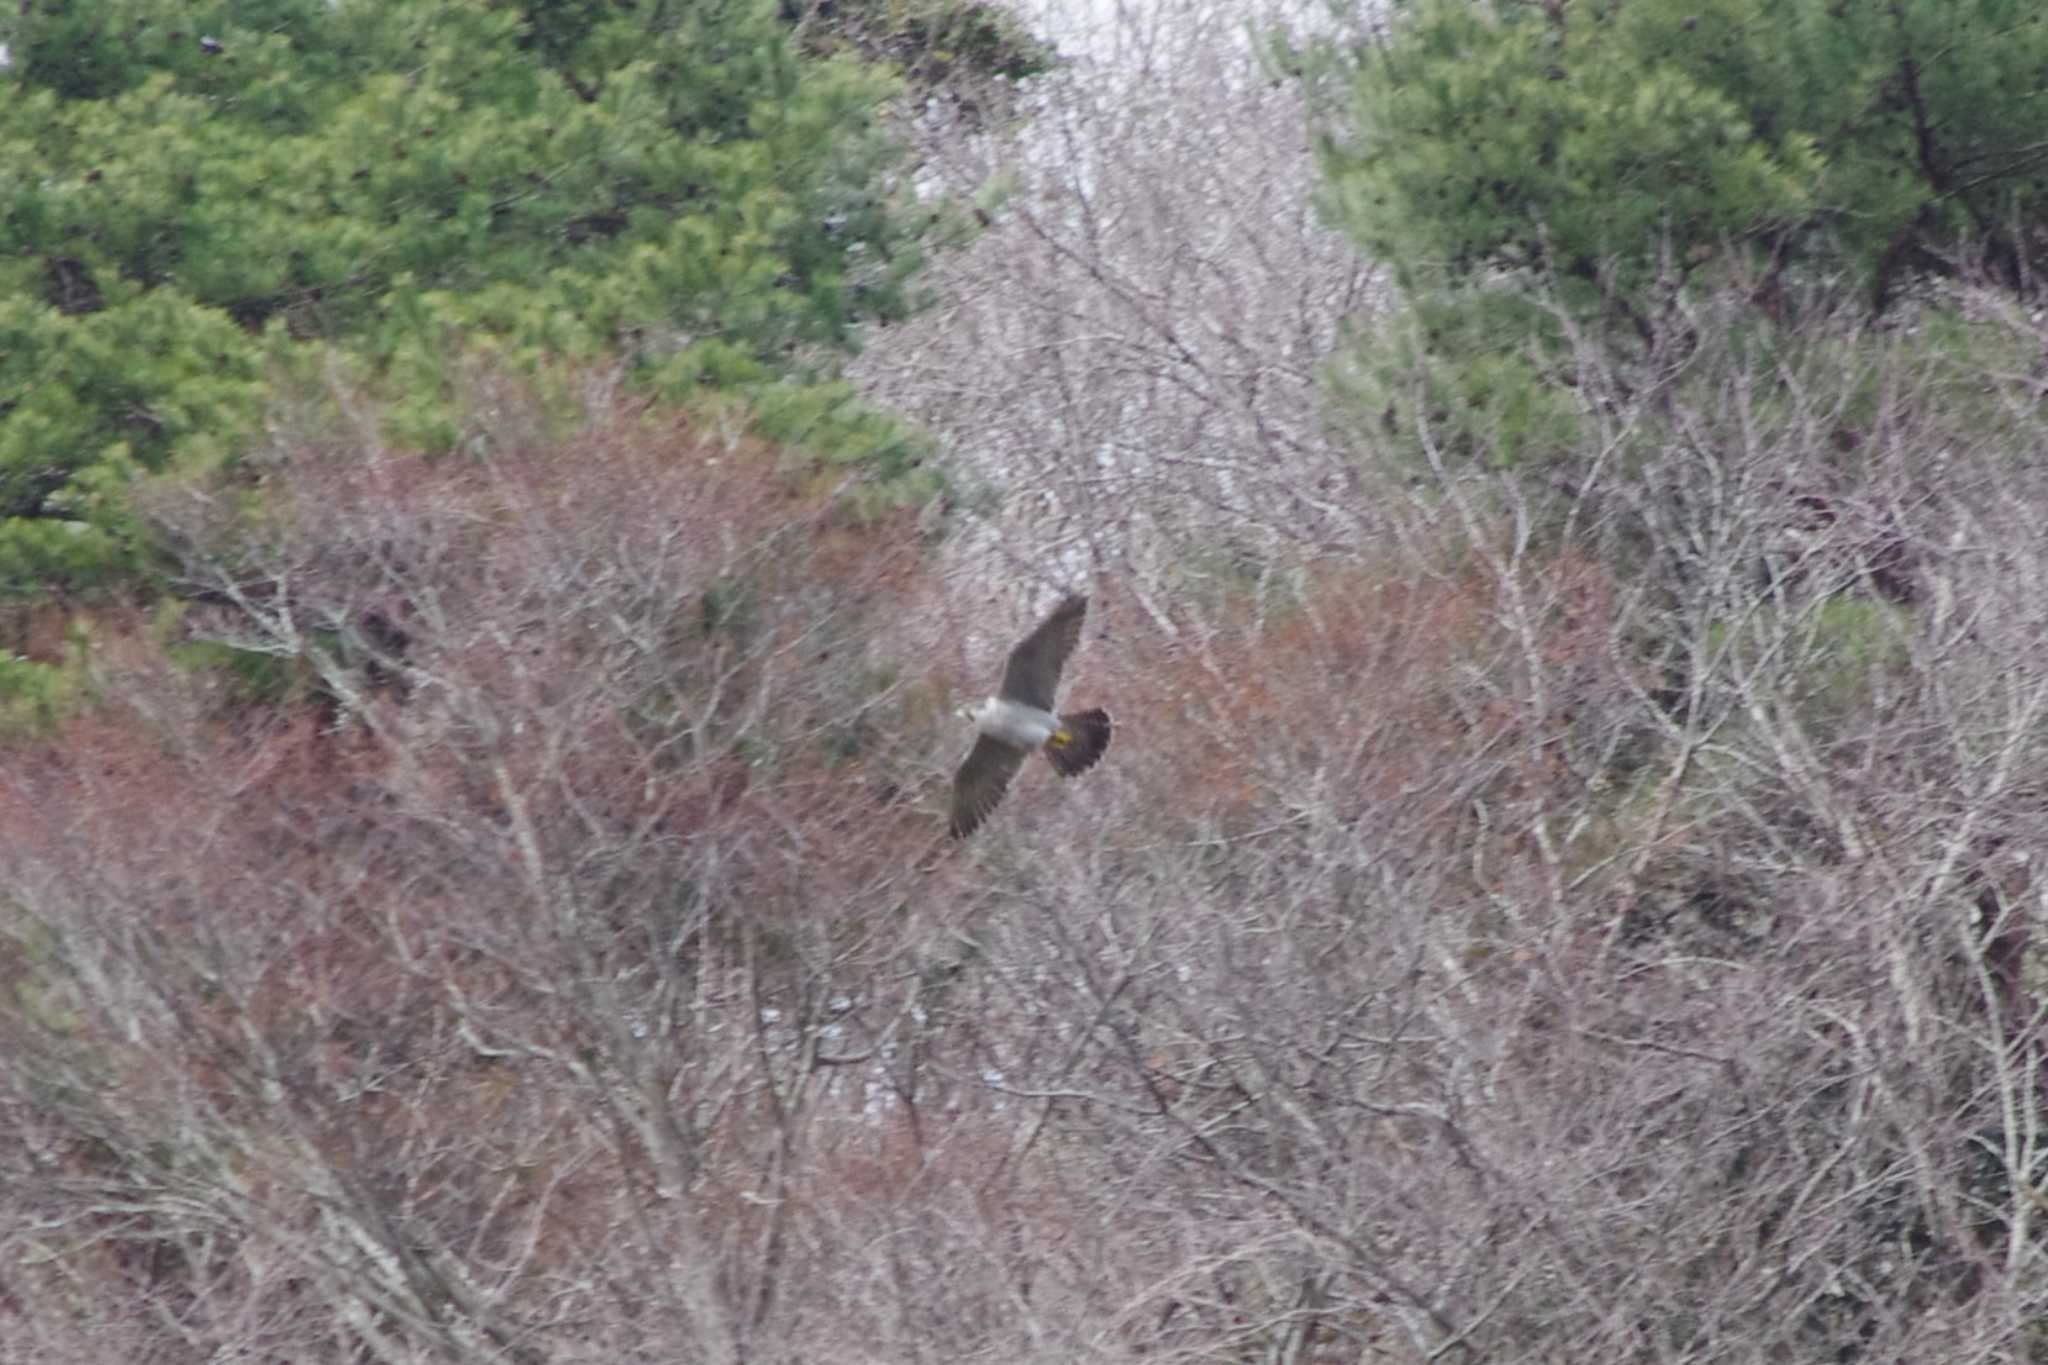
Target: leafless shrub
(1591,938)
(1583,937)
(490,1007)
(1130,352)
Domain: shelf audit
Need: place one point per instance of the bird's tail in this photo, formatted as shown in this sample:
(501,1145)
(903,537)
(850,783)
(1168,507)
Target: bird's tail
(1079,742)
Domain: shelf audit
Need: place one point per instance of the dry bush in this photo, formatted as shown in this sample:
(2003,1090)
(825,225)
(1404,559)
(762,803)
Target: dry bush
(1597,933)
(1487,946)
(484,1000)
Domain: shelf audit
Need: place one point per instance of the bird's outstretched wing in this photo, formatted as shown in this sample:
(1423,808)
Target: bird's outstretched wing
(1033,674)
(983,778)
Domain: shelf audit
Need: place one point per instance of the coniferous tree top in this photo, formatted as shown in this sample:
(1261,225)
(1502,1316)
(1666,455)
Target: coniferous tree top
(1659,136)
(193,195)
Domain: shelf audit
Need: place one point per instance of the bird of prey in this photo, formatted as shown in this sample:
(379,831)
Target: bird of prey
(1020,718)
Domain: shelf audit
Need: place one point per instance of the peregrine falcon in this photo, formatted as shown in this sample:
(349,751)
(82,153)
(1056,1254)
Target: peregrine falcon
(1020,718)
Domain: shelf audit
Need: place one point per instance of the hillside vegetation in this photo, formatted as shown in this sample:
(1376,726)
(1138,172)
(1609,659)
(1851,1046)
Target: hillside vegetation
(206,205)
(1563,527)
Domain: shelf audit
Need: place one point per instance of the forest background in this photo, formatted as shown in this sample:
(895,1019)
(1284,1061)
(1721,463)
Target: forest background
(498,503)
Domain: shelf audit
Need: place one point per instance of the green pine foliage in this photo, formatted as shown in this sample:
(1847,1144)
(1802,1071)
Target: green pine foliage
(195,200)
(1571,195)
(1620,144)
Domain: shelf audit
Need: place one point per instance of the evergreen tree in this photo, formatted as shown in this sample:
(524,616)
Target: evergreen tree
(1651,139)
(194,201)
(1546,176)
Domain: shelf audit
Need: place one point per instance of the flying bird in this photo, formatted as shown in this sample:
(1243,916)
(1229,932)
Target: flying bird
(1020,718)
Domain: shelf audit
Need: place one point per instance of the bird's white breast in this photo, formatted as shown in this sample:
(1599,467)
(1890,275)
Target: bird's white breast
(1015,723)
